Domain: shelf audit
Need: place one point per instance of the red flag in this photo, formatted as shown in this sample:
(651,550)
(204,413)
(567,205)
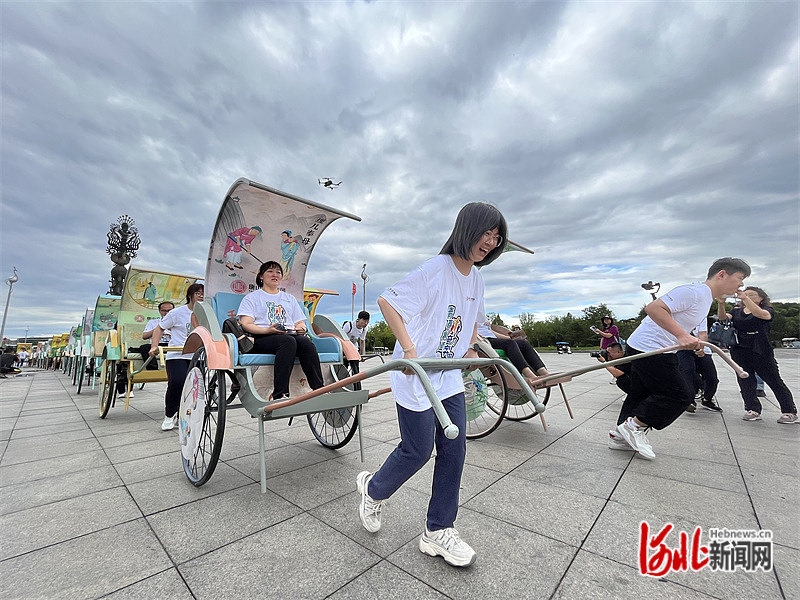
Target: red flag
(354,289)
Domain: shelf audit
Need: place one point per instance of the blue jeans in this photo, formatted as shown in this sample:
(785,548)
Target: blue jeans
(420,432)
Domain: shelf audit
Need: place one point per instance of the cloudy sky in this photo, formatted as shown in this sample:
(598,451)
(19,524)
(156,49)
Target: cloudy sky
(623,141)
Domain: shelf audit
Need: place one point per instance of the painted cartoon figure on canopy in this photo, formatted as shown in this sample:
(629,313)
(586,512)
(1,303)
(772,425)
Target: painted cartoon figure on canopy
(289,247)
(238,240)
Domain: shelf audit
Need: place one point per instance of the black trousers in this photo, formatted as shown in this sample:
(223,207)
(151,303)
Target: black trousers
(766,367)
(699,372)
(519,352)
(659,393)
(177,370)
(286,347)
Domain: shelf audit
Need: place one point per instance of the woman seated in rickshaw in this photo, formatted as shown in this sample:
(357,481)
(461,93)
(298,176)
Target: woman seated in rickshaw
(275,321)
(518,350)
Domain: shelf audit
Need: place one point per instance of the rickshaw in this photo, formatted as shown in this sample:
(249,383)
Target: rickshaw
(257,223)
(84,349)
(142,292)
(104,319)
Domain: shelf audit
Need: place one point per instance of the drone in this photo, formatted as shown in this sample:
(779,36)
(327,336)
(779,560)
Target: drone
(328,183)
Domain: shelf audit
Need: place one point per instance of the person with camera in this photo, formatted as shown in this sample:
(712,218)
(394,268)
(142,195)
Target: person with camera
(621,373)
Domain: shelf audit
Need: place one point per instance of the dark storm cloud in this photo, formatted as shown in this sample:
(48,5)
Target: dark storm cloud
(623,141)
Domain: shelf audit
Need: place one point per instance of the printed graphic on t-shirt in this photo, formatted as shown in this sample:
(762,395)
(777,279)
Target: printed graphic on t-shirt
(276,314)
(449,337)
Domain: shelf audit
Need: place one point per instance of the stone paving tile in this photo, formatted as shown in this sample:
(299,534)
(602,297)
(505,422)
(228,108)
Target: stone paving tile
(28,494)
(52,449)
(280,460)
(576,475)
(151,467)
(559,513)
(194,529)
(86,567)
(167,584)
(167,443)
(591,576)
(34,470)
(512,562)
(298,558)
(163,493)
(696,501)
(716,475)
(33,528)
(403,519)
(387,582)
(786,563)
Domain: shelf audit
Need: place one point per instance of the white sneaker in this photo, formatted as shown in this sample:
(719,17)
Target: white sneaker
(449,545)
(168,424)
(122,394)
(617,442)
(369,510)
(751,415)
(636,438)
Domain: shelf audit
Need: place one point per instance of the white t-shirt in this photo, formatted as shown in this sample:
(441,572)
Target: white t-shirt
(702,328)
(688,306)
(271,309)
(440,308)
(354,333)
(152,324)
(179,322)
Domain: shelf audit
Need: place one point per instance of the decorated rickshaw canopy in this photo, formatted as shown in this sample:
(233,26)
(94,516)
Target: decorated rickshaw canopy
(256,224)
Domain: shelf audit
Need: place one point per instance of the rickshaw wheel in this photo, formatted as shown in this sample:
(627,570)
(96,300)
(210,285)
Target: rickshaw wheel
(201,434)
(108,386)
(335,428)
(486,402)
(522,409)
(81,373)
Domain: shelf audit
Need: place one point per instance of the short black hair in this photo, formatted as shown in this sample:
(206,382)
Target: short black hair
(160,304)
(270,264)
(191,290)
(730,265)
(615,345)
(363,315)
(473,220)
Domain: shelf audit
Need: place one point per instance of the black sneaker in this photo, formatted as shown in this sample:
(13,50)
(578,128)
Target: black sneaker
(691,407)
(761,394)
(711,405)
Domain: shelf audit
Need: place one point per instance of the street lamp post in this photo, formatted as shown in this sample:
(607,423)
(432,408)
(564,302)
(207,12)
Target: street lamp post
(10,281)
(365,277)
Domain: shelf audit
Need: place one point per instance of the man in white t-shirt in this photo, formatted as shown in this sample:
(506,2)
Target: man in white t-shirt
(659,392)
(357,332)
(358,336)
(144,349)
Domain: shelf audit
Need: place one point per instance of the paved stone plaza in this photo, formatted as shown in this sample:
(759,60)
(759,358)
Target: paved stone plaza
(96,508)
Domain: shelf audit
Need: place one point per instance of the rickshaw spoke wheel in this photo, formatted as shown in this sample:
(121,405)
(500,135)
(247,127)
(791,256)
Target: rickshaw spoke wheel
(520,408)
(108,386)
(485,400)
(334,428)
(201,419)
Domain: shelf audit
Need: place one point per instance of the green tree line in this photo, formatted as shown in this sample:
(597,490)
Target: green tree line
(575,329)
